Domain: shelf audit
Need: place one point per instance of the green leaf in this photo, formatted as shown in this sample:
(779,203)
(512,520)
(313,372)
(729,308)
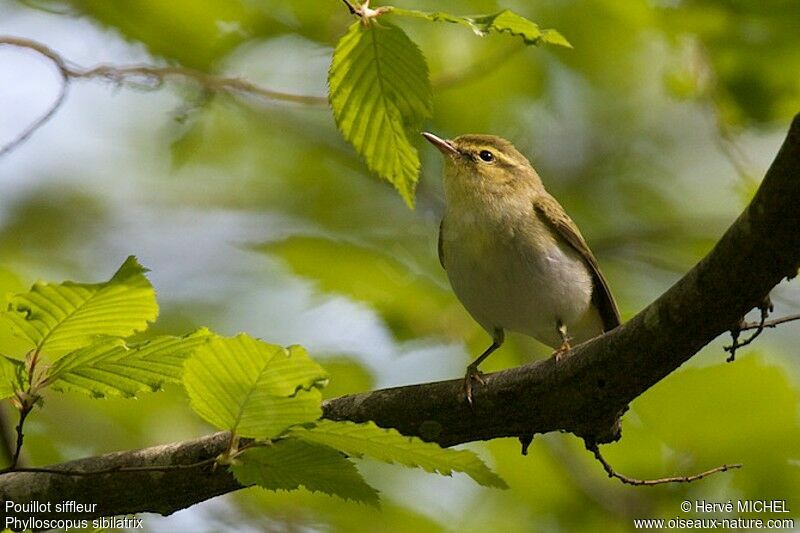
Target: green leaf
(253,388)
(113,368)
(505,21)
(380,94)
(390,446)
(288,464)
(12,376)
(60,318)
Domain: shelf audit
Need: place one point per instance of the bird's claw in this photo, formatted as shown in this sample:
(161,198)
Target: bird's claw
(561,350)
(477,375)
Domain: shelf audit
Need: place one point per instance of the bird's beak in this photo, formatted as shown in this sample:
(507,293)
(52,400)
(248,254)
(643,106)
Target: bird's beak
(443,145)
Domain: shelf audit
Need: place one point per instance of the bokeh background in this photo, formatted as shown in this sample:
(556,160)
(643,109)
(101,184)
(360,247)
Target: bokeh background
(256,216)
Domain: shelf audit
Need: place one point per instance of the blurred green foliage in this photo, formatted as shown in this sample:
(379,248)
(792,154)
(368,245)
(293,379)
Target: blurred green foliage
(628,131)
(192,33)
(200,34)
(412,304)
(736,38)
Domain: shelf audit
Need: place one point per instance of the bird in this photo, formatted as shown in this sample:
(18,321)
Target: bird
(514,258)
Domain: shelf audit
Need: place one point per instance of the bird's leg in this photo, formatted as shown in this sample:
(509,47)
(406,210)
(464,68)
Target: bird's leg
(565,347)
(472,369)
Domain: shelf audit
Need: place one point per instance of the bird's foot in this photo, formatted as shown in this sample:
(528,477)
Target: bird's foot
(477,375)
(561,350)
(565,347)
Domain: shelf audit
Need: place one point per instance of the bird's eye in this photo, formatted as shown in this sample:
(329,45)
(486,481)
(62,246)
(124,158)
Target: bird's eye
(486,155)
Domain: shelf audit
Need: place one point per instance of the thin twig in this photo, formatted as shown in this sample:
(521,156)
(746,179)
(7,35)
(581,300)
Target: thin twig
(759,326)
(153,76)
(766,308)
(58,62)
(157,75)
(25,401)
(351,7)
(651,482)
(23,414)
(769,323)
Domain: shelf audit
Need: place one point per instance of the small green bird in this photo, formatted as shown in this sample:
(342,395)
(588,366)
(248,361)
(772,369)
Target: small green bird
(515,259)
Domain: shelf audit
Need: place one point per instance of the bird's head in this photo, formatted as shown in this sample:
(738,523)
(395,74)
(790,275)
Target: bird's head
(484,162)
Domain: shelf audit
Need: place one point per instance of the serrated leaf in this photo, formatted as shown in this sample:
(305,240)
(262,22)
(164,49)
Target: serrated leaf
(113,368)
(63,317)
(253,388)
(289,464)
(380,93)
(12,376)
(390,446)
(505,21)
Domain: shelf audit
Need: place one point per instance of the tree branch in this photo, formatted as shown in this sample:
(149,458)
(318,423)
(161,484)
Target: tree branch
(766,308)
(161,492)
(769,323)
(143,76)
(61,97)
(586,393)
(653,482)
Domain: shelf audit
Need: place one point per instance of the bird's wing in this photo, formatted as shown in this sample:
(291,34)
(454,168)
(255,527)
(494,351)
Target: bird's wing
(555,217)
(441,245)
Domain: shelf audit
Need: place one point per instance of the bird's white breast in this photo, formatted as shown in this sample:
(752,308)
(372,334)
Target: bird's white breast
(509,276)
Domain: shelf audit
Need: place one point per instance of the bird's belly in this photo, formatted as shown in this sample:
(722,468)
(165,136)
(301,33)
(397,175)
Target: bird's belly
(512,286)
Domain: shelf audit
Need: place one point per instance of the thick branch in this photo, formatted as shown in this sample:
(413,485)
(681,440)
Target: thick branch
(126,492)
(584,394)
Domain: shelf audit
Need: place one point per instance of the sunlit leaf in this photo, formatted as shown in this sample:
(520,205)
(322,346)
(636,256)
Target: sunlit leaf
(63,317)
(112,368)
(505,21)
(253,388)
(12,376)
(390,446)
(289,464)
(380,94)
